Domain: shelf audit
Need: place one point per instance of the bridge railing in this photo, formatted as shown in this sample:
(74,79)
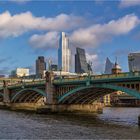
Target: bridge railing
(27,83)
(97,77)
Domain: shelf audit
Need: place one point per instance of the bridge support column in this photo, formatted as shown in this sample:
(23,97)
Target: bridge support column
(6,96)
(50,88)
(87,108)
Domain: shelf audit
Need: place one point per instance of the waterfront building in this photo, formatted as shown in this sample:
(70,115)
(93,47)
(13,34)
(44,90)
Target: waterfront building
(20,72)
(81,65)
(40,66)
(134,61)
(108,66)
(64,53)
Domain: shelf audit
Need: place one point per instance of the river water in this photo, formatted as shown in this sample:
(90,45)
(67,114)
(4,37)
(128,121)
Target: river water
(114,123)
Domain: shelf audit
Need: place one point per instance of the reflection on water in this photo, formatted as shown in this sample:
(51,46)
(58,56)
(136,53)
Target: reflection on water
(17,125)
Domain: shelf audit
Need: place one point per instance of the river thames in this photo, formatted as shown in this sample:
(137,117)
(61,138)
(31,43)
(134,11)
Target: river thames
(114,123)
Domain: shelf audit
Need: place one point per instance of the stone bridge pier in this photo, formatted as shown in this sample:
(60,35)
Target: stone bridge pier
(6,93)
(53,105)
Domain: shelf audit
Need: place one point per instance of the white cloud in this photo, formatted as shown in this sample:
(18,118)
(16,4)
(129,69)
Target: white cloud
(129,3)
(19,1)
(97,65)
(96,34)
(49,40)
(15,25)
(91,57)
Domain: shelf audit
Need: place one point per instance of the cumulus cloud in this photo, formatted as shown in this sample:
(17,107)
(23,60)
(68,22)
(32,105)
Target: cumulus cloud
(97,65)
(96,34)
(129,3)
(19,1)
(48,40)
(15,25)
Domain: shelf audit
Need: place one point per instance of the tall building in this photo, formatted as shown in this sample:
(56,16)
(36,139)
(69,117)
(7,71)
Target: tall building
(64,54)
(108,66)
(40,66)
(81,65)
(134,61)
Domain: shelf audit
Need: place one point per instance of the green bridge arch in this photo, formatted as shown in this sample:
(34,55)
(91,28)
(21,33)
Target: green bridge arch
(38,91)
(131,92)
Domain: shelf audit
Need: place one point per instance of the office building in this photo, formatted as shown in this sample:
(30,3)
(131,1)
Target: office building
(40,66)
(81,65)
(80,61)
(64,54)
(108,66)
(134,62)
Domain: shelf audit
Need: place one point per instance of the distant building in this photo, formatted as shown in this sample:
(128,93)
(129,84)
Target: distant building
(2,75)
(40,66)
(134,62)
(53,67)
(116,69)
(20,72)
(64,53)
(108,66)
(81,65)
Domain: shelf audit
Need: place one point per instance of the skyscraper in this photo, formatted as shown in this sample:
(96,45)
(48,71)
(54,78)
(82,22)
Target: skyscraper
(134,62)
(81,65)
(108,66)
(40,66)
(64,53)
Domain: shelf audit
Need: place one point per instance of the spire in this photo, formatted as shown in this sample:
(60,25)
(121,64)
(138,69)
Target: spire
(116,69)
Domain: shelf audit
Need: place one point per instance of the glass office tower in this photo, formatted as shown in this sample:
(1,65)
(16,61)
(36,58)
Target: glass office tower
(134,62)
(81,65)
(64,54)
(108,66)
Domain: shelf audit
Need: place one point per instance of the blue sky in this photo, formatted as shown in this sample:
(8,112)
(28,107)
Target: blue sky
(32,28)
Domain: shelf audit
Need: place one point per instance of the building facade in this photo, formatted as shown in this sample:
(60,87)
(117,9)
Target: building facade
(53,67)
(134,62)
(81,65)
(40,66)
(64,54)
(108,66)
(116,69)
(20,72)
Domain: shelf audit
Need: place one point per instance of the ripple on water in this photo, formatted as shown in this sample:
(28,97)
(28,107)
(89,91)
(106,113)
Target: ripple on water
(17,125)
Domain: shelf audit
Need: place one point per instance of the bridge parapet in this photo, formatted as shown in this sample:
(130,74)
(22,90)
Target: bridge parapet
(99,77)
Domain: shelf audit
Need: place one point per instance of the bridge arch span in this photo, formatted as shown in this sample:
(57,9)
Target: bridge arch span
(88,94)
(28,95)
